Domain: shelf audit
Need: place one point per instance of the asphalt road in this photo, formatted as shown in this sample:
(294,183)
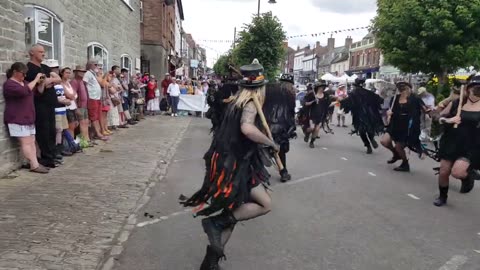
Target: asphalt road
(342,210)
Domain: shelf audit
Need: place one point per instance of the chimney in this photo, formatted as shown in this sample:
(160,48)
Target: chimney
(298,48)
(348,42)
(331,44)
(317,44)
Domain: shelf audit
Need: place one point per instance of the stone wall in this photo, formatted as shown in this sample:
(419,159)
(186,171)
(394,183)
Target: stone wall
(111,23)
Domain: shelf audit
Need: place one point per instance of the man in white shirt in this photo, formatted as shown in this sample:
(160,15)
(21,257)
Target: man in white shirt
(174,92)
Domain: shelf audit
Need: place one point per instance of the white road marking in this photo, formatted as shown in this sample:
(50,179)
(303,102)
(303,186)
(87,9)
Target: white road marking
(477,251)
(372,174)
(162,218)
(185,159)
(309,178)
(478,234)
(324,148)
(413,196)
(455,263)
(344,158)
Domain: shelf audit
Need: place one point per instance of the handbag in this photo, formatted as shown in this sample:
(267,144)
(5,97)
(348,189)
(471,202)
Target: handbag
(116,101)
(140,101)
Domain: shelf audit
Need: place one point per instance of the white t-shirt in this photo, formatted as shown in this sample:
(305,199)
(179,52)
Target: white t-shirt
(174,90)
(429,100)
(93,87)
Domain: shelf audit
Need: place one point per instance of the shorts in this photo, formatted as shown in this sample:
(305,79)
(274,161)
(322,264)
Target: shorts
(83,114)
(125,104)
(16,130)
(94,109)
(61,121)
(71,116)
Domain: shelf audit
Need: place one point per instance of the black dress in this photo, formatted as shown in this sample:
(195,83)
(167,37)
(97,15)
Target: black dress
(404,125)
(234,166)
(319,110)
(464,141)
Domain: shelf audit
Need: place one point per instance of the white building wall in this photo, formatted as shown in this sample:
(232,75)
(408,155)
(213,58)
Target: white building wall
(178,29)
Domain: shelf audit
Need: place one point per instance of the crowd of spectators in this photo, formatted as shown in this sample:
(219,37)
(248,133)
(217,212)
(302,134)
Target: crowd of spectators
(56,111)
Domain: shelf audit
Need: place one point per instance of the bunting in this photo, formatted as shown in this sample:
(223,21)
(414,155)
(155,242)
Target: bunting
(229,41)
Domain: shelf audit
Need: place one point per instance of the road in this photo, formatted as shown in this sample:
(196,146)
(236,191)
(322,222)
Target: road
(342,210)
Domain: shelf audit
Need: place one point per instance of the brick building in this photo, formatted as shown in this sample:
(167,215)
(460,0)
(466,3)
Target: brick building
(158,28)
(71,32)
(365,58)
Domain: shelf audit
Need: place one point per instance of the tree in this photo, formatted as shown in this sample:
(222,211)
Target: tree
(262,39)
(221,66)
(430,36)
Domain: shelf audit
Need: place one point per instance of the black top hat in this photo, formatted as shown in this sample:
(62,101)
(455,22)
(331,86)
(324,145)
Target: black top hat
(287,78)
(402,84)
(252,75)
(321,83)
(359,81)
(474,80)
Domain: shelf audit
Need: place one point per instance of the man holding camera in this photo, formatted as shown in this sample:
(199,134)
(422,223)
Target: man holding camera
(45,102)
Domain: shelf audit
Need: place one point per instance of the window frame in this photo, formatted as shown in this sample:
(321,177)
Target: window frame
(126,56)
(57,44)
(104,50)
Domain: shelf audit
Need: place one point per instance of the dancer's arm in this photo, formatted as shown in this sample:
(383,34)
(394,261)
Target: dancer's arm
(247,125)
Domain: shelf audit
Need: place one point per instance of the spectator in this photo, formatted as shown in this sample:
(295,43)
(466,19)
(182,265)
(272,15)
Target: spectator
(61,122)
(19,113)
(125,80)
(183,88)
(72,96)
(93,79)
(117,98)
(190,90)
(110,109)
(137,99)
(45,102)
(426,121)
(165,84)
(153,103)
(78,85)
(174,92)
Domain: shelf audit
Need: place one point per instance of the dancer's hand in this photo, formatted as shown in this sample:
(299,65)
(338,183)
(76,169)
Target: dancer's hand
(457,120)
(389,113)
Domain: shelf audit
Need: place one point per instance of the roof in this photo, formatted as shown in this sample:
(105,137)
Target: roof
(334,59)
(340,58)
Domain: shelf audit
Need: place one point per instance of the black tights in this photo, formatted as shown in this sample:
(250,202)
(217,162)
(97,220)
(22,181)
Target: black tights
(367,137)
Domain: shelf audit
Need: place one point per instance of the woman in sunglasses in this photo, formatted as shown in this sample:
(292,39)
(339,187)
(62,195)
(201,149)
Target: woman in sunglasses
(20,112)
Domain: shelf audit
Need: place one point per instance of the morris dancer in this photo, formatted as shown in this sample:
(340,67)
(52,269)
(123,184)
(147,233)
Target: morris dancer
(236,177)
(365,106)
(279,110)
(460,146)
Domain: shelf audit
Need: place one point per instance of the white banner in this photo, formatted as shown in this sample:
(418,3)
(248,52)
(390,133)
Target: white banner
(195,103)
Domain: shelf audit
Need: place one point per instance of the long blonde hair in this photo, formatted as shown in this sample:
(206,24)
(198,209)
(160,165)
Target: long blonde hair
(245,95)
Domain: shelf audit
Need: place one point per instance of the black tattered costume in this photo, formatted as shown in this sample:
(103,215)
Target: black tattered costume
(365,107)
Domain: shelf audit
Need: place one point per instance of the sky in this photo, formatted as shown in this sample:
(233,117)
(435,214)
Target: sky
(216,20)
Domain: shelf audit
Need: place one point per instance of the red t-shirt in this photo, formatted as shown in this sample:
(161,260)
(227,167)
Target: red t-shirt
(165,84)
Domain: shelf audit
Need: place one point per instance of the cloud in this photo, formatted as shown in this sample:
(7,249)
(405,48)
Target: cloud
(346,6)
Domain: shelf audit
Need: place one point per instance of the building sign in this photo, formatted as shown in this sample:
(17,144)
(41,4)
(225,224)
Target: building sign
(194,63)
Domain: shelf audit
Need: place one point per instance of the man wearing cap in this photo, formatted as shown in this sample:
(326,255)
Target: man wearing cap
(165,84)
(279,109)
(82,102)
(365,107)
(174,92)
(92,78)
(45,102)
(236,175)
(426,121)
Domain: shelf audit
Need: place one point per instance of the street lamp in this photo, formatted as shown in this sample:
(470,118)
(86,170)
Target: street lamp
(269,1)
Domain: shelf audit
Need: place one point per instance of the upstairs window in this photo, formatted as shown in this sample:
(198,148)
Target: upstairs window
(126,62)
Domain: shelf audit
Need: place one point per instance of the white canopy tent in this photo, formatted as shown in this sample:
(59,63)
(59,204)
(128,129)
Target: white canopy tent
(328,77)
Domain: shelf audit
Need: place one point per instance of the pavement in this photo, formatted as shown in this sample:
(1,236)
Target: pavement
(117,208)
(78,215)
(342,210)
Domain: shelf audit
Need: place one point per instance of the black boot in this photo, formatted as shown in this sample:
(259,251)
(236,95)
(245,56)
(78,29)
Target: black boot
(404,167)
(212,257)
(442,199)
(214,226)
(468,183)
(394,159)
(374,144)
(369,150)
(285,176)
(307,137)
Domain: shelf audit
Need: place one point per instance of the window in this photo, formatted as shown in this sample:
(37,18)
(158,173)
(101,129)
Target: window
(98,52)
(45,28)
(126,62)
(141,11)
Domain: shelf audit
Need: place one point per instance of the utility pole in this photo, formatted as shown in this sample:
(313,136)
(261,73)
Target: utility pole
(234,36)
(258,13)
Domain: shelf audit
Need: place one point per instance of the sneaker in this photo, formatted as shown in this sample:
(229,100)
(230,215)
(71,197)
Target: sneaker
(173,115)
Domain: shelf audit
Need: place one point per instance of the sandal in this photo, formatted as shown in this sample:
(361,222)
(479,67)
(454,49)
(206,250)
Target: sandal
(40,169)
